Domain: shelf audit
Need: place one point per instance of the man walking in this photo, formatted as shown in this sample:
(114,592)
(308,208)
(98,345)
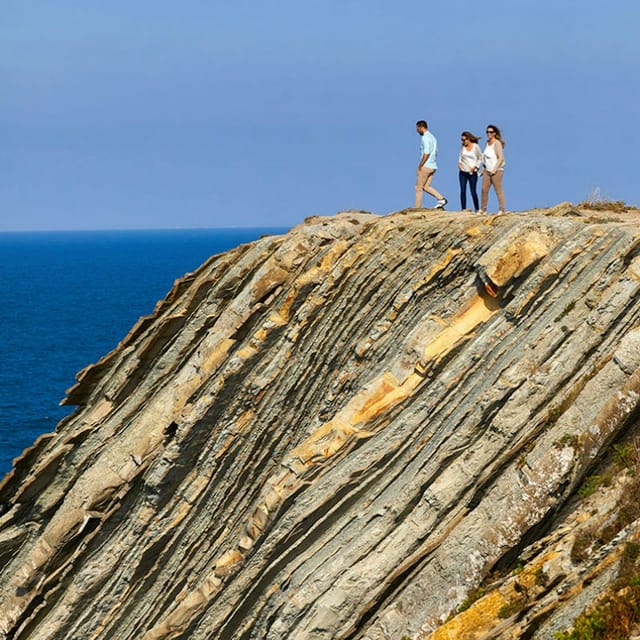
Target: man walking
(427,166)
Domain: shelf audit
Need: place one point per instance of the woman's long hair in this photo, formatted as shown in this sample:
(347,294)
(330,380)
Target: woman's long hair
(469,136)
(498,134)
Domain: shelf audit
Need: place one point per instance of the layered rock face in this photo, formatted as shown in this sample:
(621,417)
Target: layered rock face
(343,432)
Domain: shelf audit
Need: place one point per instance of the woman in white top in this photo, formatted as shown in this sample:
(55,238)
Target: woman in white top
(493,159)
(469,162)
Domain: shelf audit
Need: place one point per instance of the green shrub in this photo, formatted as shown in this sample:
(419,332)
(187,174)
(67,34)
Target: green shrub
(624,455)
(589,486)
(507,610)
(472,597)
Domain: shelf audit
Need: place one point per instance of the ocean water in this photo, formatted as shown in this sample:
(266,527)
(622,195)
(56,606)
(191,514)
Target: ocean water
(68,298)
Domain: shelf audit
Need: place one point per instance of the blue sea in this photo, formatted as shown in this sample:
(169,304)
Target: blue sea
(68,298)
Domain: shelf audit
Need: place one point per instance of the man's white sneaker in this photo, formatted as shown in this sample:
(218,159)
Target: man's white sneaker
(441,203)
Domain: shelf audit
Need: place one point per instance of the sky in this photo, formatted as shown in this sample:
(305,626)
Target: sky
(203,113)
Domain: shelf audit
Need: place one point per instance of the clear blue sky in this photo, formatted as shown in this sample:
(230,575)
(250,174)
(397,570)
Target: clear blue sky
(206,113)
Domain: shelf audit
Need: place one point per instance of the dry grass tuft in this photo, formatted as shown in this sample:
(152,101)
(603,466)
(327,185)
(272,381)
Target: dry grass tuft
(595,201)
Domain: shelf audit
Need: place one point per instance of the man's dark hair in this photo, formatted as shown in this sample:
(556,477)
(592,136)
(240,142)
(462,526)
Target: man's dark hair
(422,123)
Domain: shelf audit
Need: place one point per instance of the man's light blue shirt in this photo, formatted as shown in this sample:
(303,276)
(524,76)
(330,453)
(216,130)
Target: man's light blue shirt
(429,144)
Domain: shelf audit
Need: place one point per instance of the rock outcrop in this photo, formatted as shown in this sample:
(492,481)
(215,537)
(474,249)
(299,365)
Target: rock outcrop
(367,428)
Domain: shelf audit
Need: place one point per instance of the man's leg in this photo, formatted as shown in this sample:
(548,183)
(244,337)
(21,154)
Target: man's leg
(429,189)
(420,180)
(422,184)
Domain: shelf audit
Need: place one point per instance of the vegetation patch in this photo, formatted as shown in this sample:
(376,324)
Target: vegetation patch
(595,201)
(473,596)
(509,609)
(628,506)
(618,612)
(626,456)
(541,577)
(583,545)
(615,617)
(589,486)
(617,206)
(568,440)
(568,309)
(586,627)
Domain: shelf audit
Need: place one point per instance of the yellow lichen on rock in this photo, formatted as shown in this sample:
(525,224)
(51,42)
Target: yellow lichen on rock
(488,611)
(473,623)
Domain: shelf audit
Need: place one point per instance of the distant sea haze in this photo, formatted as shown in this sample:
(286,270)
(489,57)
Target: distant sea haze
(68,298)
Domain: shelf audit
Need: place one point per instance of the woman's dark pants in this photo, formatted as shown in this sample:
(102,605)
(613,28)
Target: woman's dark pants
(472,179)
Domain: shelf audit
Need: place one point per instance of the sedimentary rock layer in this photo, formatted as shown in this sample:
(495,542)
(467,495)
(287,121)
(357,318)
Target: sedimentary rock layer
(338,433)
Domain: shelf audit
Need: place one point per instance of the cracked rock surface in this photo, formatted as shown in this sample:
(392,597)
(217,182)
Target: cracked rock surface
(341,432)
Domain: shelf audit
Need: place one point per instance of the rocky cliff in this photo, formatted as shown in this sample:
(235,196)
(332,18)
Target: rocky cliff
(420,425)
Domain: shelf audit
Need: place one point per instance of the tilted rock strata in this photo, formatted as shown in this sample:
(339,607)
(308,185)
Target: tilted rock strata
(335,433)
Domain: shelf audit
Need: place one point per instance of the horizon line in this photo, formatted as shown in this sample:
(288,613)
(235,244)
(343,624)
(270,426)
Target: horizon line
(138,229)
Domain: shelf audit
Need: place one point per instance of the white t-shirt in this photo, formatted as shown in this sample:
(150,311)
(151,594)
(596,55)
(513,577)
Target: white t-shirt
(470,158)
(490,158)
